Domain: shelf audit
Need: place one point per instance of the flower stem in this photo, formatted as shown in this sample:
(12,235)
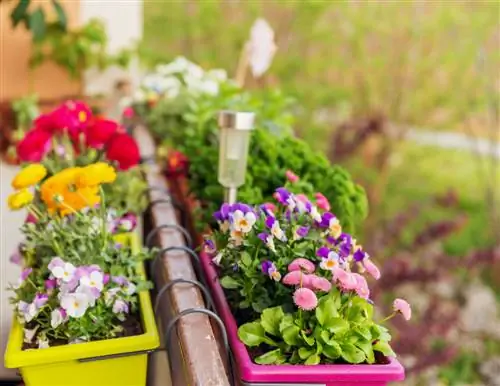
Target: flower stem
(388,318)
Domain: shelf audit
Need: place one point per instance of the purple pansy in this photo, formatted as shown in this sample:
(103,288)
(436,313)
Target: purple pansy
(326,218)
(266,265)
(120,280)
(223,214)
(270,220)
(50,284)
(302,231)
(323,252)
(105,279)
(209,246)
(282,195)
(120,307)
(56,262)
(16,258)
(25,273)
(359,255)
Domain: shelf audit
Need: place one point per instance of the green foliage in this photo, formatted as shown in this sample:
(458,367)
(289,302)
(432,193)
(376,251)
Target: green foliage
(317,337)
(77,49)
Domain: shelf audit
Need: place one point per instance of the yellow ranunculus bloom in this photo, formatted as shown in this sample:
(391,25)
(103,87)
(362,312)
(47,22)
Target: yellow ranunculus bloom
(29,176)
(20,199)
(95,174)
(62,194)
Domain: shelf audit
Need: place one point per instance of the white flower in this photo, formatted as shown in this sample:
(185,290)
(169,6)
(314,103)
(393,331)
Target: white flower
(315,215)
(120,307)
(126,225)
(75,304)
(65,272)
(110,295)
(31,312)
(180,65)
(277,232)
(261,47)
(130,289)
(236,237)
(94,280)
(42,343)
(243,222)
(224,226)
(270,243)
(56,318)
(217,259)
(219,75)
(139,96)
(29,334)
(334,228)
(331,262)
(90,292)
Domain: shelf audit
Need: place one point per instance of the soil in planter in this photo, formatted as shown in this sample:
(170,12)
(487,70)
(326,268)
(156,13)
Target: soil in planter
(131,326)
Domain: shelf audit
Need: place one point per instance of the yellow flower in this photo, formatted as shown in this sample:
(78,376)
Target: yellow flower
(20,199)
(62,194)
(95,174)
(29,176)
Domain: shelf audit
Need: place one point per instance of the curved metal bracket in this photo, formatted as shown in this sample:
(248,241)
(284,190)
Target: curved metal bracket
(152,233)
(183,248)
(170,284)
(148,159)
(222,329)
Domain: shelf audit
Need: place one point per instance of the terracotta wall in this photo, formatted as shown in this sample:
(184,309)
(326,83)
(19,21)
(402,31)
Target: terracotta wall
(16,79)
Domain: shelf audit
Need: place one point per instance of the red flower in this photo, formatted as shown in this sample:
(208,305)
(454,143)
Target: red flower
(177,164)
(72,117)
(100,132)
(123,149)
(35,144)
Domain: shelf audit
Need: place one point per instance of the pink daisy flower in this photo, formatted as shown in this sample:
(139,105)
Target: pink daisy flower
(305,299)
(291,176)
(403,307)
(320,283)
(301,264)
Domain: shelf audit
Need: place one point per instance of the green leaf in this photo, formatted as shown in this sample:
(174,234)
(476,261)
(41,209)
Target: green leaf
(271,319)
(332,350)
(37,24)
(308,339)
(291,335)
(326,310)
(352,354)
(384,348)
(286,322)
(337,325)
(325,336)
(61,15)
(19,13)
(359,310)
(269,357)
(246,259)
(313,360)
(252,334)
(229,283)
(380,333)
(305,353)
(367,348)
(363,332)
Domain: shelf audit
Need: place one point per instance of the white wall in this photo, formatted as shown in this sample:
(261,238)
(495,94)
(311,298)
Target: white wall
(124,23)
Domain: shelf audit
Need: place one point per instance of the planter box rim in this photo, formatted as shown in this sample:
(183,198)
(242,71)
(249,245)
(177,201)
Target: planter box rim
(16,357)
(251,372)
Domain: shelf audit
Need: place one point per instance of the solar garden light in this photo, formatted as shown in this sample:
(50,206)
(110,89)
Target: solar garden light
(234,140)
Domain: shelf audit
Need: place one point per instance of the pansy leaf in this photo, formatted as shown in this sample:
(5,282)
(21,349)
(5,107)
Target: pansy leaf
(313,360)
(332,350)
(308,339)
(305,353)
(337,326)
(246,259)
(229,283)
(291,335)
(269,358)
(384,348)
(271,319)
(252,334)
(351,353)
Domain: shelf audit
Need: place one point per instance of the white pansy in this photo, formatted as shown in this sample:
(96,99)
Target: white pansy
(75,304)
(65,272)
(217,259)
(31,312)
(110,295)
(42,343)
(315,215)
(277,232)
(130,289)
(243,222)
(261,47)
(93,280)
(56,318)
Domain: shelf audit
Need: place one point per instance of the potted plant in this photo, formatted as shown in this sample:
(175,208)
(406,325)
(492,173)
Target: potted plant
(83,314)
(292,288)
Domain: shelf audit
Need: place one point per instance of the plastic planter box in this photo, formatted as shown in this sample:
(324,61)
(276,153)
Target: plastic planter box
(113,362)
(289,375)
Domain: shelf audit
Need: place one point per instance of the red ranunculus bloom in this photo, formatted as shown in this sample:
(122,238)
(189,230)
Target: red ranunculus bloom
(72,117)
(100,132)
(177,164)
(35,144)
(123,149)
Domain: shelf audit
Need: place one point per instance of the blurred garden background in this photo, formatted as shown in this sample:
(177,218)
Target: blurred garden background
(405,96)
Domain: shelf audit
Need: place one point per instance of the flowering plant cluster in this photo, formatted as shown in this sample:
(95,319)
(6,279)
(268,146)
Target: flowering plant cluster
(297,283)
(174,81)
(79,280)
(71,136)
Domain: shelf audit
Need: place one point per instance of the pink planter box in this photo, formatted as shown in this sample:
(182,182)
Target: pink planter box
(289,375)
